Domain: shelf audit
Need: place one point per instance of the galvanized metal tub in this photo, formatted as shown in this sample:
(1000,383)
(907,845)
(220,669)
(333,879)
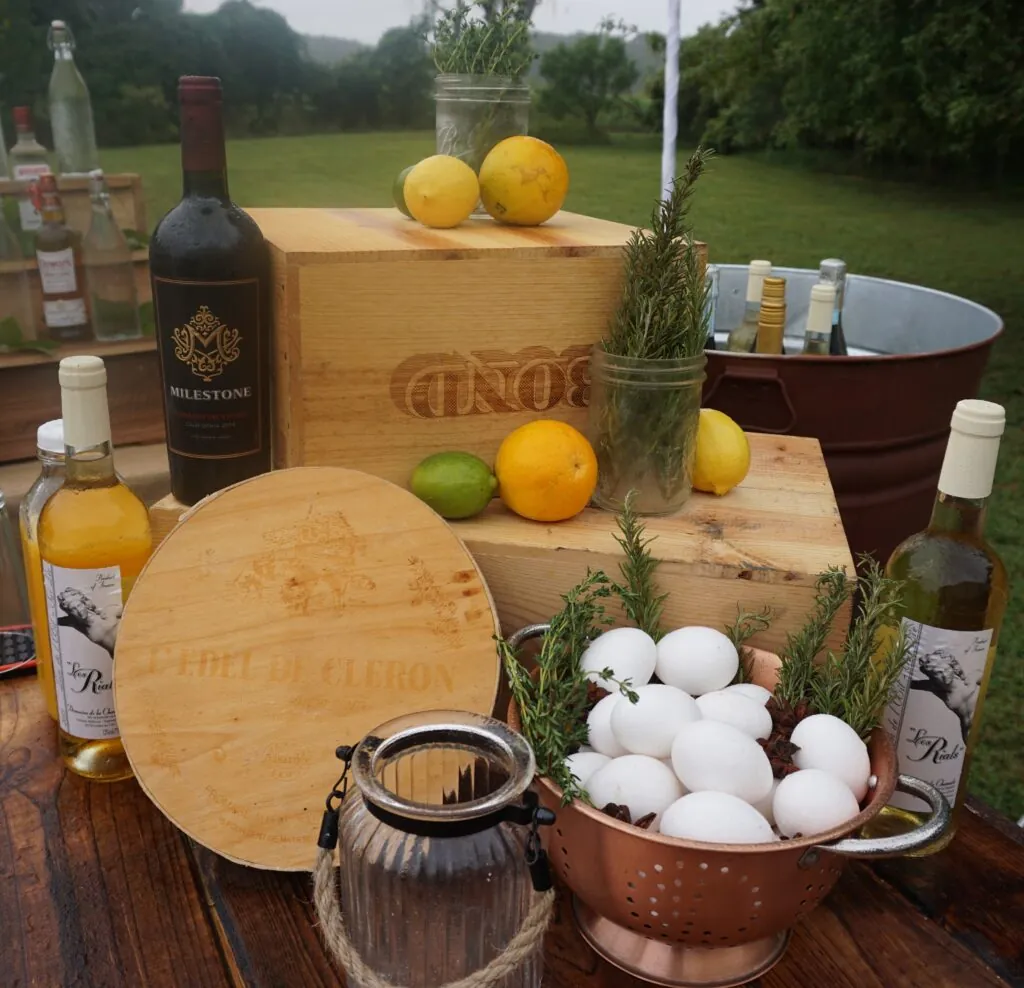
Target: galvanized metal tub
(881,414)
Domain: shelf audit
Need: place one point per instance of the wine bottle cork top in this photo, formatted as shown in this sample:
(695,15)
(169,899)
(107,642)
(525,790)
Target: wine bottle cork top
(199,89)
(774,288)
(823,291)
(761,267)
(50,436)
(974,417)
(82,373)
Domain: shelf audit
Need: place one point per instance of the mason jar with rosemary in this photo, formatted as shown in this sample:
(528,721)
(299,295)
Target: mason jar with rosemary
(643,422)
(476,112)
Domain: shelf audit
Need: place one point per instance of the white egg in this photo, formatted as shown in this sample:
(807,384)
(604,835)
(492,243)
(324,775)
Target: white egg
(649,726)
(644,784)
(732,708)
(720,757)
(764,806)
(752,691)
(810,802)
(585,763)
(716,817)
(697,660)
(828,743)
(629,652)
(599,727)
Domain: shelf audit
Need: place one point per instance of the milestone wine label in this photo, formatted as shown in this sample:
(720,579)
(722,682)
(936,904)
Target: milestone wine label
(933,705)
(210,357)
(83,609)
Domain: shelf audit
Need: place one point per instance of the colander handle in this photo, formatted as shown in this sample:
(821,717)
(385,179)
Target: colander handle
(524,634)
(903,844)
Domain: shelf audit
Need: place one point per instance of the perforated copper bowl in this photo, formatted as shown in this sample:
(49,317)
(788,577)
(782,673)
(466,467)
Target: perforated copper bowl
(678,912)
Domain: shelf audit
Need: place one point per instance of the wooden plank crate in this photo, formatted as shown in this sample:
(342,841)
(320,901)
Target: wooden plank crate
(762,544)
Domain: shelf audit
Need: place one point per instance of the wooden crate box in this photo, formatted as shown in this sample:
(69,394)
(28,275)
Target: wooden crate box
(394,341)
(763,544)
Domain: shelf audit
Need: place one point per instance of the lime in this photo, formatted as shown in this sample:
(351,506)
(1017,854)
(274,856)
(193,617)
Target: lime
(398,191)
(441,191)
(455,485)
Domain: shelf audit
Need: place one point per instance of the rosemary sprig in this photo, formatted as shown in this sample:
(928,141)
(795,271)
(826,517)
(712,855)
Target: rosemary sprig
(640,600)
(552,702)
(746,625)
(803,647)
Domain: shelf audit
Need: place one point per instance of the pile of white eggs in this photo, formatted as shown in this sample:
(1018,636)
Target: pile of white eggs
(687,751)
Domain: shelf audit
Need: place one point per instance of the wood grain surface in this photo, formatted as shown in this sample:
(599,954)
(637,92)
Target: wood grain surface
(97,890)
(761,544)
(393,341)
(284,616)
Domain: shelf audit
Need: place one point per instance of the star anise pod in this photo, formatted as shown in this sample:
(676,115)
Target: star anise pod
(644,823)
(780,751)
(619,811)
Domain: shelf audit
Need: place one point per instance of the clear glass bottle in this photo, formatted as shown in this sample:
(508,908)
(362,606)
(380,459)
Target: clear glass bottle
(109,271)
(954,599)
(74,136)
(833,272)
(712,306)
(50,452)
(94,538)
(819,319)
(771,318)
(61,275)
(16,646)
(16,292)
(5,168)
(430,863)
(29,162)
(743,338)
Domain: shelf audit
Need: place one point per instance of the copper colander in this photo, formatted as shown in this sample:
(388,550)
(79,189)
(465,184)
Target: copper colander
(677,912)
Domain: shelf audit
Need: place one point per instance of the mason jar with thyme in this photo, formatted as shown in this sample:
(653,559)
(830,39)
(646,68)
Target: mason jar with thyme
(476,112)
(643,424)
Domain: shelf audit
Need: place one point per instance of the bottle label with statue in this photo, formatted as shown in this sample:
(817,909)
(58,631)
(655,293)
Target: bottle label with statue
(84,612)
(933,705)
(210,356)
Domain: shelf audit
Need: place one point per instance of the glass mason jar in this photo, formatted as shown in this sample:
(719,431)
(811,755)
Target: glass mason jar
(475,112)
(433,874)
(643,426)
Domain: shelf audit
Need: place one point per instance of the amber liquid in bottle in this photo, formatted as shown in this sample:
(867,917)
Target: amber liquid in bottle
(954,599)
(94,538)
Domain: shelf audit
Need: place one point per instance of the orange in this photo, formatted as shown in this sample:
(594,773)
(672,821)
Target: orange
(523,181)
(546,471)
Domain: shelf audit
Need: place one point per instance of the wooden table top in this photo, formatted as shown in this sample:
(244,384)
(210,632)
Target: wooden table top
(97,888)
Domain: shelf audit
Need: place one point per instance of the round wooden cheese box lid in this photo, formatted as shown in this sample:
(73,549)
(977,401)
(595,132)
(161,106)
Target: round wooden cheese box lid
(283,617)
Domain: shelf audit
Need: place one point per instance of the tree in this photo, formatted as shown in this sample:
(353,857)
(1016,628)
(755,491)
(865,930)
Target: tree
(587,77)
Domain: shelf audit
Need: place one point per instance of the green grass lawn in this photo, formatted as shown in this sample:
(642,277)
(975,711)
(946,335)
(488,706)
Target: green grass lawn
(968,244)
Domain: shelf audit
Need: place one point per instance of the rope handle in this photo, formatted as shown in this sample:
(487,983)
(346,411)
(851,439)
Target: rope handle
(332,927)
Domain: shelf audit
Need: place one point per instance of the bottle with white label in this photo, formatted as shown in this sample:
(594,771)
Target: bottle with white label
(94,538)
(954,597)
(61,274)
(29,162)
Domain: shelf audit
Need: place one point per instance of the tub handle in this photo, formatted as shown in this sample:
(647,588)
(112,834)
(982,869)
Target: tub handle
(901,845)
(747,379)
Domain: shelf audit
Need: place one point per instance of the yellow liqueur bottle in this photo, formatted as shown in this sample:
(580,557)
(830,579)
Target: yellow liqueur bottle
(953,603)
(94,538)
(50,451)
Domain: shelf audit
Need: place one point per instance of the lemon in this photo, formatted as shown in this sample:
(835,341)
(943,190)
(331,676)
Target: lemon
(723,453)
(441,191)
(398,191)
(454,484)
(523,181)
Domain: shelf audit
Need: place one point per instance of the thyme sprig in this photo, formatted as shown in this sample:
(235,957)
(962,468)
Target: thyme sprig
(746,625)
(639,594)
(495,42)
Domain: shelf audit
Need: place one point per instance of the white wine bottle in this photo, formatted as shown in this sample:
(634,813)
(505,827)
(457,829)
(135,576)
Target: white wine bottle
(954,598)
(744,337)
(818,333)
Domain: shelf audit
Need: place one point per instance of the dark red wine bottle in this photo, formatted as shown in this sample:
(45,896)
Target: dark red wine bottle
(209,268)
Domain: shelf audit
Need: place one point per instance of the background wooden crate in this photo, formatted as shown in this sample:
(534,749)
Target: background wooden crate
(394,341)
